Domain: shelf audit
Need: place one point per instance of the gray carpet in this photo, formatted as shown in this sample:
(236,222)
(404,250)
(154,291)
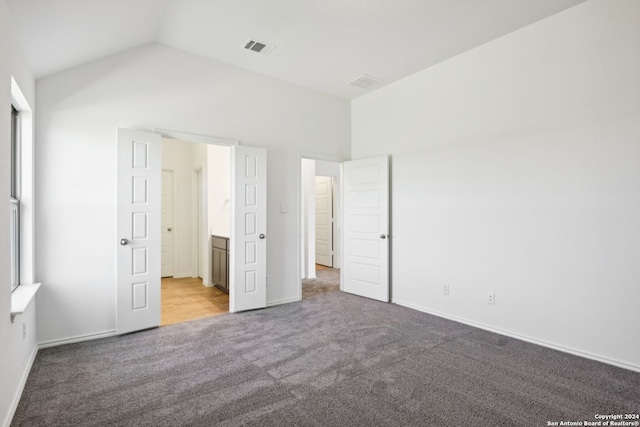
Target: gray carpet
(328,280)
(331,360)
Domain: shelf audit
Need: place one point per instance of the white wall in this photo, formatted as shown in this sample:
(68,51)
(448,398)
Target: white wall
(219,181)
(17,353)
(157,87)
(516,169)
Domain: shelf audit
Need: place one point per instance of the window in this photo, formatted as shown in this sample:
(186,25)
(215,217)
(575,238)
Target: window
(21,232)
(14,250)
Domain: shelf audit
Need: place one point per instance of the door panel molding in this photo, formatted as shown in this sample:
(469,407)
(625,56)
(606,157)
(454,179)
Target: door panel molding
(248,253)
(138,227)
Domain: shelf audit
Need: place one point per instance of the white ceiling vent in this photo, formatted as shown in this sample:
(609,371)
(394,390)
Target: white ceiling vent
(258,46)
(365,81)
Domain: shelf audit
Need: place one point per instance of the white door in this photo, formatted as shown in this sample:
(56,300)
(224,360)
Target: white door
(166,234)
(366,228)
(138,239)
(248,253)
(324,221)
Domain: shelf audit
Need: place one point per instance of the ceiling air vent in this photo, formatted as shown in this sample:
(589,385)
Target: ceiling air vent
(365,81)
(259,47)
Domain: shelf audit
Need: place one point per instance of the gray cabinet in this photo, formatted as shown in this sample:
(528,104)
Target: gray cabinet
(220,262)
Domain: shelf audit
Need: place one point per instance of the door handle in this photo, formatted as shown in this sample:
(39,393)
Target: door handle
(169,229)
(124,242)
(261,236)
(383,236)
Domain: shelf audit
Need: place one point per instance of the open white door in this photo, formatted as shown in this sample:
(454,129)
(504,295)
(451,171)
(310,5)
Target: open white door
(248,263)
(365,270)
(138,239)
(324,220)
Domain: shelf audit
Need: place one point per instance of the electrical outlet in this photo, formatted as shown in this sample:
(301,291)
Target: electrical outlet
(24,330)
(445,289)
(491,298)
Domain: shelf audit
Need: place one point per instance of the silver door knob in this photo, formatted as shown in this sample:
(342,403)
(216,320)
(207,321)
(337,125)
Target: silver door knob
(123,242)
(169,229)
(383,236)
(261,236)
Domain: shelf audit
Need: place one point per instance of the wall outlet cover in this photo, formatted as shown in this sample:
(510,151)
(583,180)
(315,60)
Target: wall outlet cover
(491,298)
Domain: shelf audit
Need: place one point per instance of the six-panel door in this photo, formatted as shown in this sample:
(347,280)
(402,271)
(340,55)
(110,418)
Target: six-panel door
(248,275)
(138,275)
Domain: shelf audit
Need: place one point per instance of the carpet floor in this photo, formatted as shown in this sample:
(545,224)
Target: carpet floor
(331,360)
(327,280)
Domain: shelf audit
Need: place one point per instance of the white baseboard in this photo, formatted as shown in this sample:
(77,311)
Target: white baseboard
(18,395)
(282,301)
(79,338)
(542,343)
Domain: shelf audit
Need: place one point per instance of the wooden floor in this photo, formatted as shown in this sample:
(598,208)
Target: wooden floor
(188,299)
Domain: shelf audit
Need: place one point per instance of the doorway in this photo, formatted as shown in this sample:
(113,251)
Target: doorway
(320,227)
(325,220)
(196,181)
(138,286)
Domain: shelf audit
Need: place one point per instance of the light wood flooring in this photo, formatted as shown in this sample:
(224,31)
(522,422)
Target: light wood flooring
(188,299)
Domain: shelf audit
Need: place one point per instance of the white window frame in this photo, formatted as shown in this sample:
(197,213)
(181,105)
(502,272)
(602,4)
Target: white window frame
(23,294)
(14,201)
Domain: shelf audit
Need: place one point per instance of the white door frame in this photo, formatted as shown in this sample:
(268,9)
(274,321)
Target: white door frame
(312,156)
(307,220)
(197,217)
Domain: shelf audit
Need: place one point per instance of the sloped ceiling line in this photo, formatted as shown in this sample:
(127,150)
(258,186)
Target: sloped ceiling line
(322,44)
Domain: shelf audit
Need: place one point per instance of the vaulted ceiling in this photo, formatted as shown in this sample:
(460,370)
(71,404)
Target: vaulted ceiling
(319,44)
